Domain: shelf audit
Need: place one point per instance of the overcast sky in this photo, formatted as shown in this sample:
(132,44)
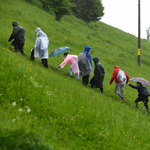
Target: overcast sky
(123,14)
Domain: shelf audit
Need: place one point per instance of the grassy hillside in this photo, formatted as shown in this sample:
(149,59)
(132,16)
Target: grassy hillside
(45,109)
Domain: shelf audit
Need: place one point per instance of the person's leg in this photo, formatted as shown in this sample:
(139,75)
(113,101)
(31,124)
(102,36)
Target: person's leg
(122,89)
(146,105)
(101,90)
(45,63)
(136,102)
(70,72)
(85,80)
(117,90)
(15,45)
(20,47)
(77,76)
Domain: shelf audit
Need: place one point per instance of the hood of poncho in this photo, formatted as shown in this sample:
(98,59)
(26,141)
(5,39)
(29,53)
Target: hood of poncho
(87,49)
(15,24)
(116,67)
(96,60)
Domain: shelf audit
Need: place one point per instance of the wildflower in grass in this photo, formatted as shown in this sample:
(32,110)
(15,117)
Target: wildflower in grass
(64,93)
(13,120)
(138,142)
(17,76)
(21,99)
(20,110)
(134,137)
(14,103)
(18,65)
(41,119)
(79,109)
(82,106)
(48,93)
(17,59)
(28,110)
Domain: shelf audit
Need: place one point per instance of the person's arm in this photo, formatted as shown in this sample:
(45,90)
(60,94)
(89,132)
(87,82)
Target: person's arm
(113,77)
(38,43)
(127,76)
(63,63)
(11,36)
(135,87)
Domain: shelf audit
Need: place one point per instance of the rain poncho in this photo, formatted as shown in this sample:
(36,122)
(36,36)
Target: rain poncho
(115,73)
(99,73)
(41,45)
(86,51)
(85,65)
(18,34)
(73,61)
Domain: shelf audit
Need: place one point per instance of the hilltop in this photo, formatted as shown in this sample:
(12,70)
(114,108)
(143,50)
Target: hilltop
(46,109)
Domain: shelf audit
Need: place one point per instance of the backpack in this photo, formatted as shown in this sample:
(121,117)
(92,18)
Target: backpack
(146,91)
(121,76)
(85,67)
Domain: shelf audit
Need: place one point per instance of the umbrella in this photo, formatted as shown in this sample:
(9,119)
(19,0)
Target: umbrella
(59,51)
(141,80)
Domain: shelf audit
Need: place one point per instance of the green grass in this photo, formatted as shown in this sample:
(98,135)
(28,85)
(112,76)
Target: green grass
(65,114)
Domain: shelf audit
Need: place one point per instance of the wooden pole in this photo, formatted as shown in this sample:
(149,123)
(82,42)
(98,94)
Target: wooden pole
(139,35)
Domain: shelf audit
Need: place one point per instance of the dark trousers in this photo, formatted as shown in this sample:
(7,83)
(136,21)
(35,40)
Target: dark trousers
(144,99)
(18,46)
(32,55)
(85,80)
(44,62)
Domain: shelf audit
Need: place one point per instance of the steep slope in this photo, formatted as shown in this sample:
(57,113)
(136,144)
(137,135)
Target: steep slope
(45,109)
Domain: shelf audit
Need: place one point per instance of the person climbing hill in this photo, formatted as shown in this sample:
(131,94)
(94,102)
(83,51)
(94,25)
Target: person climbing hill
(120,78)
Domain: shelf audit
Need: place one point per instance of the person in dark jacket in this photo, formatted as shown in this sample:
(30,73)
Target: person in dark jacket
(141,96)
(99,73)
(85,79)
(18,34)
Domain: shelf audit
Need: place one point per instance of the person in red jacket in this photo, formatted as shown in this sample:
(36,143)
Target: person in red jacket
(121,78)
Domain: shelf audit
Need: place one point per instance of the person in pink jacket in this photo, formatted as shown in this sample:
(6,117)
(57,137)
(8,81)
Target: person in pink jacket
(73,61)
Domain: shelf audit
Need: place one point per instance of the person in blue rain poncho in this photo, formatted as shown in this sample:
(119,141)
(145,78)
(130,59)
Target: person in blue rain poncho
(85,79)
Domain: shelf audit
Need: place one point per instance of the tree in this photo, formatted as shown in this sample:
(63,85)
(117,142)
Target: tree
(45,5)
(60,8)
(148,34)
(88,10)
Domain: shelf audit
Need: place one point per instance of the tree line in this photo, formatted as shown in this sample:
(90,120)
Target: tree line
(87,10)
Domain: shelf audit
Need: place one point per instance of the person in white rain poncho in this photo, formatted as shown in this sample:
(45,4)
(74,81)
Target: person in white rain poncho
(41,47)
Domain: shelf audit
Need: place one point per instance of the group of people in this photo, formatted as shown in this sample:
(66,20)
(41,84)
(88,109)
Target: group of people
(80,65)
(41,44)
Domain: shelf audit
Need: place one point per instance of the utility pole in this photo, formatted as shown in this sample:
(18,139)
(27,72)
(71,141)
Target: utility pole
(139,34)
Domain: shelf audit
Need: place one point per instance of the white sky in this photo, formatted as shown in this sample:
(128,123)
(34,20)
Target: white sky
(123,14)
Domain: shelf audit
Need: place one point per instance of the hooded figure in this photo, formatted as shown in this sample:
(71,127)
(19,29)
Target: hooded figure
(141,96)
(86,51)
(119,85)
(85,79)
(99,73)
(18,34)
(73,61)
(41,47)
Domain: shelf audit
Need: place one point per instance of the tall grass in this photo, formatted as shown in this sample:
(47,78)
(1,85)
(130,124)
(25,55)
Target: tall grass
(46,109)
